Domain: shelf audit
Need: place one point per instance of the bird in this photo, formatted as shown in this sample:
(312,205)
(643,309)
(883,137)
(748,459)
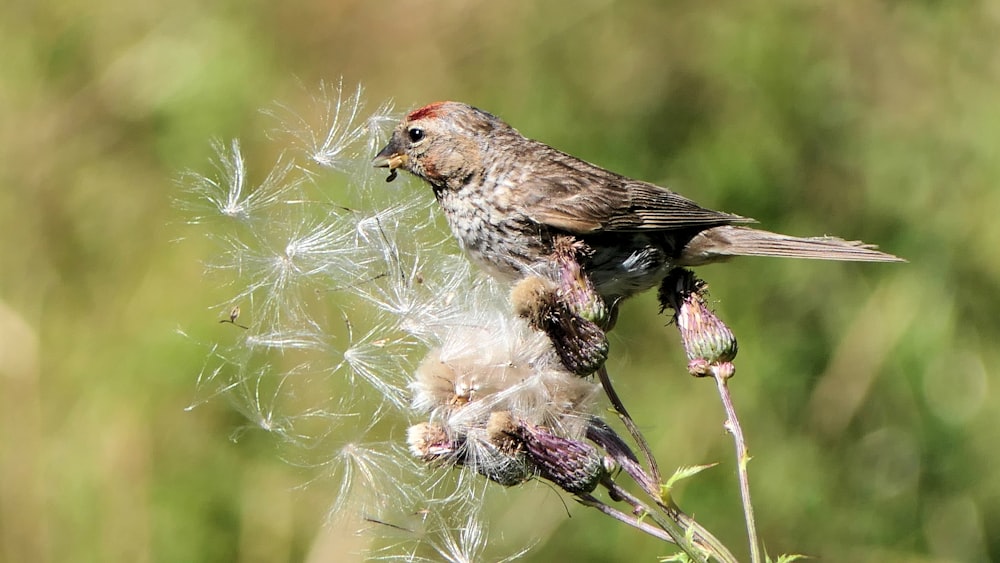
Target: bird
(508,199)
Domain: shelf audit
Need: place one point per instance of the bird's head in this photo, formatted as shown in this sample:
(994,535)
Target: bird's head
(442,143)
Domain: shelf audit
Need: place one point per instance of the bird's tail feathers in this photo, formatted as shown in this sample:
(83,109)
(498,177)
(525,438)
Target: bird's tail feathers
(719,243)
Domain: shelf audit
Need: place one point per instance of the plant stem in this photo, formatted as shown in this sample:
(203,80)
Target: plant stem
(722,373)
(673,528)
(587,499)
(630,425)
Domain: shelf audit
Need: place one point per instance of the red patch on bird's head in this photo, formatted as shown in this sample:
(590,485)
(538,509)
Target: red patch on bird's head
(430,110)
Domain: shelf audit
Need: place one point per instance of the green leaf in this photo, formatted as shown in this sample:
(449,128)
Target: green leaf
(680,474)
(787,558)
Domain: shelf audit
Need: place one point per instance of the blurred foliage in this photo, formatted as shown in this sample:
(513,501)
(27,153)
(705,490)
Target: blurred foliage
(866,390)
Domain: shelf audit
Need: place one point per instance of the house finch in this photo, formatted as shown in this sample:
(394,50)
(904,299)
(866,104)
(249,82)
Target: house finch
(507,198)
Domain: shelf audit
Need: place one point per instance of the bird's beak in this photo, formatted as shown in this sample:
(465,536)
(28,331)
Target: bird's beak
(390,157)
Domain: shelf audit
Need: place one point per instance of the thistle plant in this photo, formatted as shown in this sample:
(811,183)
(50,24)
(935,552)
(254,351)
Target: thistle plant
(359,332)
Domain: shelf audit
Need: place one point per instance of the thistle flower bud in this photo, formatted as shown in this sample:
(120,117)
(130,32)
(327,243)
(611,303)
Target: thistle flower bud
(581,343)
(575,288)
(707,340)
(575,466)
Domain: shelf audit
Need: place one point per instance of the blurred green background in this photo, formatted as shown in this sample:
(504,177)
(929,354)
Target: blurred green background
(866,390)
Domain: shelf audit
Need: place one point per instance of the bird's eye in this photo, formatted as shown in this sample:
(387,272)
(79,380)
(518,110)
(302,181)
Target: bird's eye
(415,134)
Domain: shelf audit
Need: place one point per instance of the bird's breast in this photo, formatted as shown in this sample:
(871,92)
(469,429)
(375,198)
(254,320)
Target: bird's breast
(492,231)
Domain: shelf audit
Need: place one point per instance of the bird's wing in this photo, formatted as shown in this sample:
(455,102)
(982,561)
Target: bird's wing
(569,194)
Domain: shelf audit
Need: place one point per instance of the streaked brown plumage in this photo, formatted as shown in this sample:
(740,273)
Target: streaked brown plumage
(506,197)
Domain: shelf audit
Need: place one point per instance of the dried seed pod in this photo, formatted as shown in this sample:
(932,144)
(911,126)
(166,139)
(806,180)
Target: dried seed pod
(492,454)
(430,442)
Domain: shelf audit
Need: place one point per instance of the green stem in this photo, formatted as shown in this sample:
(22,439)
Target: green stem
(722,373)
